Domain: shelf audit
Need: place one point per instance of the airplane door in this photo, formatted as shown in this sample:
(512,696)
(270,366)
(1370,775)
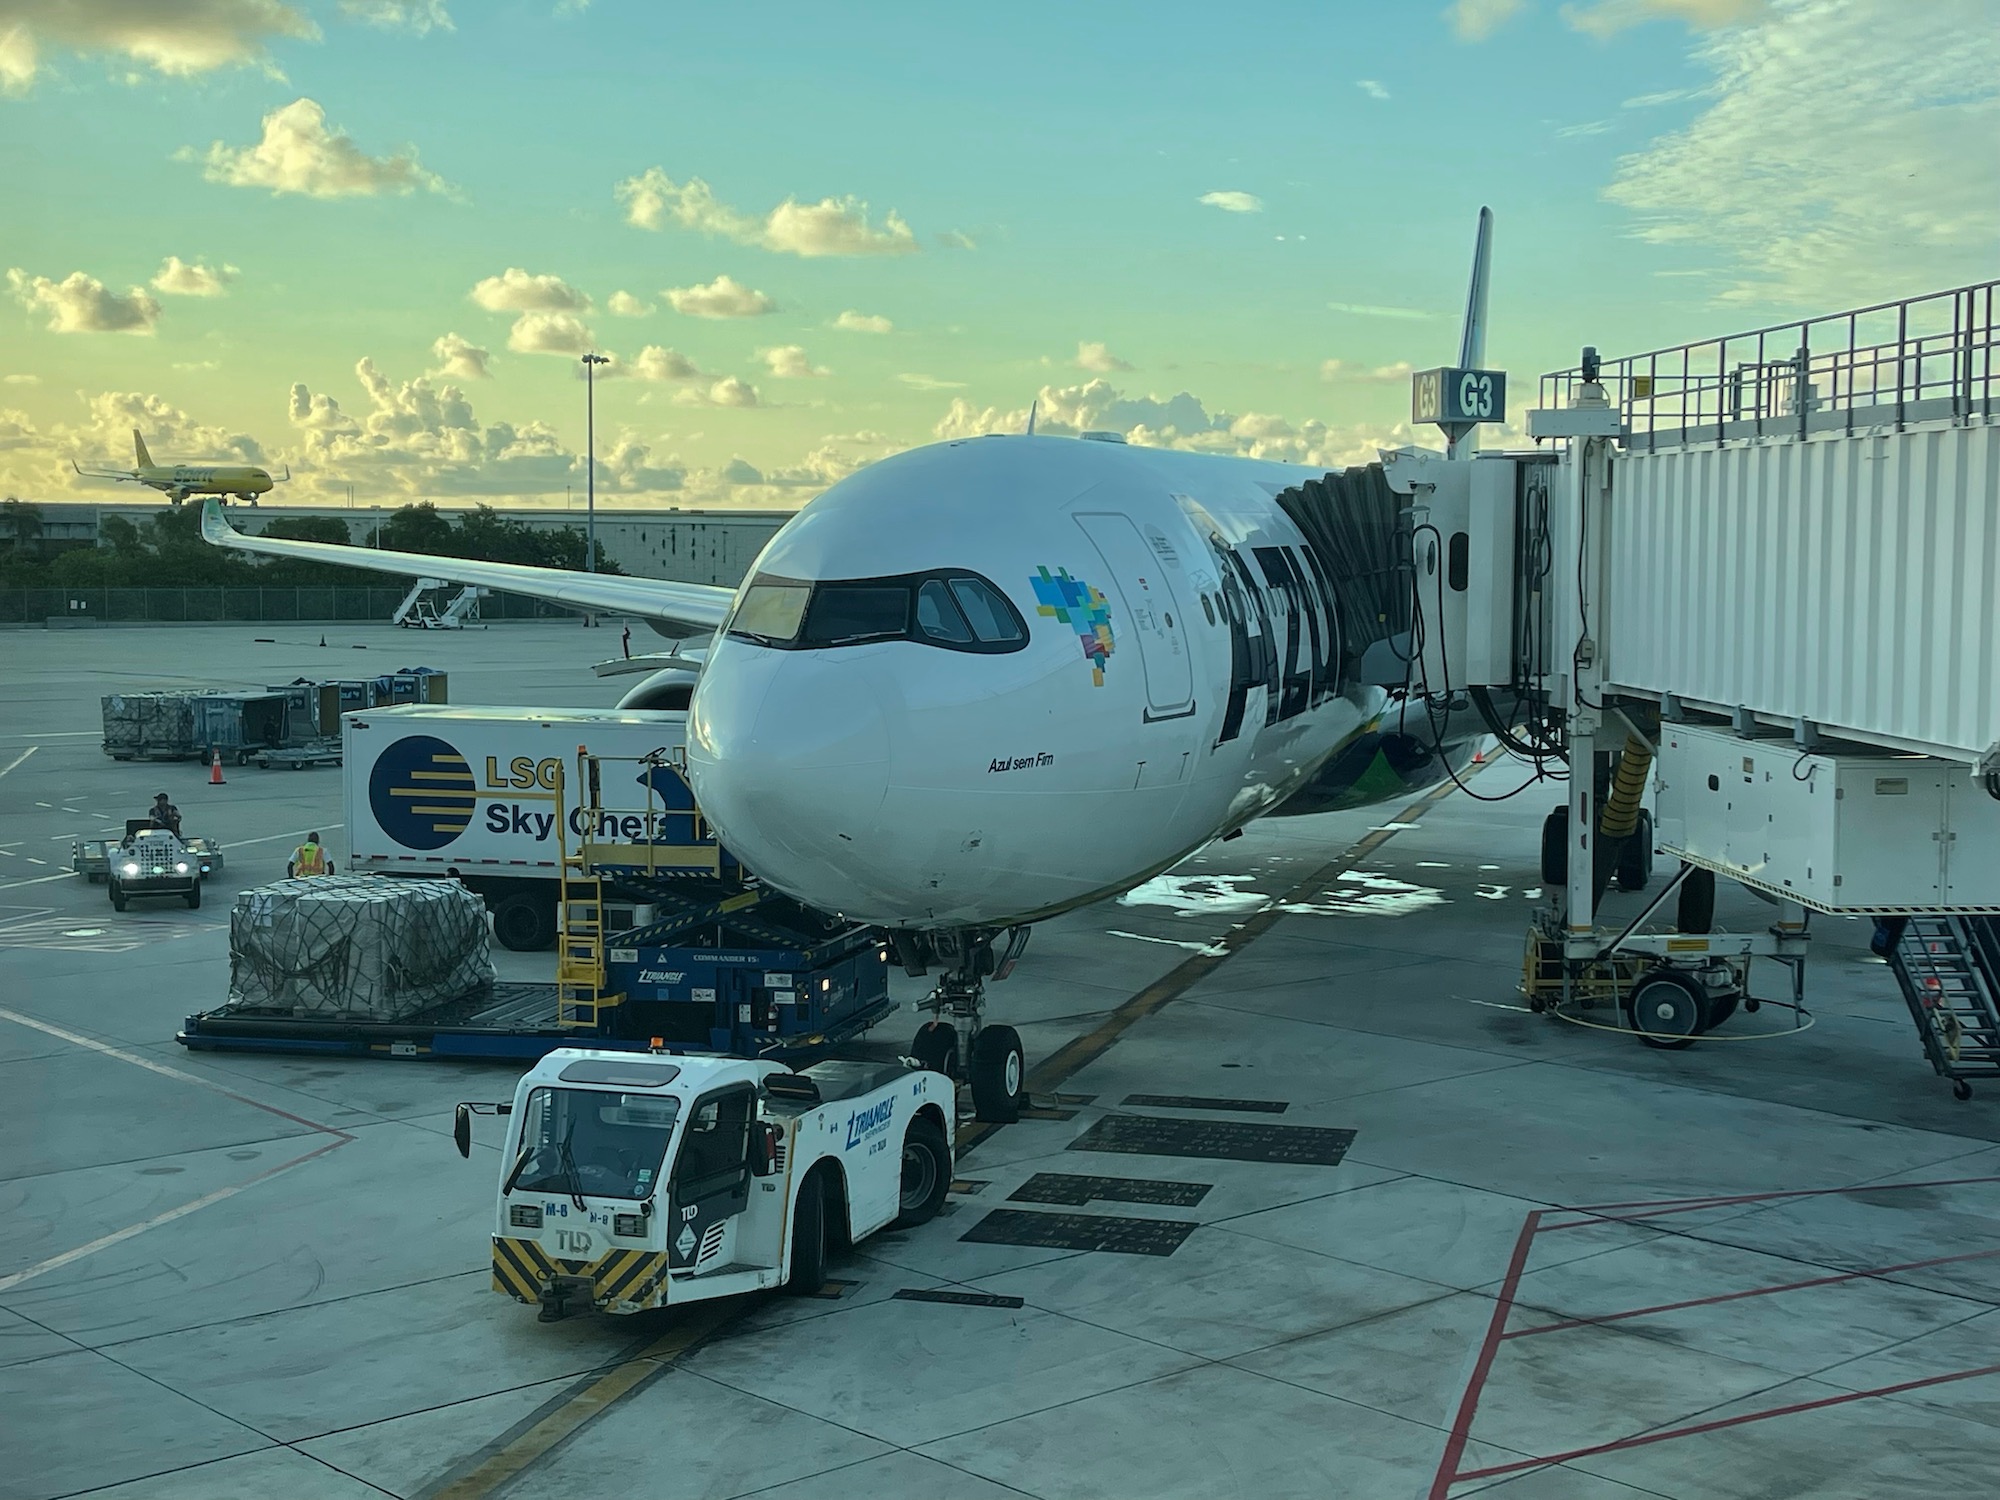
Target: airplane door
(1141,575)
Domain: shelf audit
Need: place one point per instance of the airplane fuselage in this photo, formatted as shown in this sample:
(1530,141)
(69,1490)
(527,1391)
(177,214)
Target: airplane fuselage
(1175,675)
(179,481)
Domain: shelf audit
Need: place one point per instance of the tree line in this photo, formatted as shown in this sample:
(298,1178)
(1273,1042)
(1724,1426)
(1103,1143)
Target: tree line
(167,551)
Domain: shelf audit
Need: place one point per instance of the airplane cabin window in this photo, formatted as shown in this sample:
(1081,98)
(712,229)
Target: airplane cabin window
(992,621)
(844,614)
(938,617)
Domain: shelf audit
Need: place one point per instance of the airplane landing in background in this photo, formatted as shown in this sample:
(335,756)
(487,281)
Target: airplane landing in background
(178,481)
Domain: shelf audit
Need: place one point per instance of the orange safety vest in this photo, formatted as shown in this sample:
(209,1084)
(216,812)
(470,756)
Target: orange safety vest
(309,859)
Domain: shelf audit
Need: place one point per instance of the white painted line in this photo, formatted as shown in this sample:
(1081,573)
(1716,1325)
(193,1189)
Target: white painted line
(33,861)
(119,1236)
(65,734)
(297,833)
(15,885)
(17,760)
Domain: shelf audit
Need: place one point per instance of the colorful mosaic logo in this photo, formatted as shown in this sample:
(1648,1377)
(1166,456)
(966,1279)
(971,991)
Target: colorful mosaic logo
(1083,609)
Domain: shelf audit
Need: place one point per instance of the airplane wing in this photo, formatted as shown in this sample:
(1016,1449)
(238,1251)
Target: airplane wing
(125,475)
(695,606)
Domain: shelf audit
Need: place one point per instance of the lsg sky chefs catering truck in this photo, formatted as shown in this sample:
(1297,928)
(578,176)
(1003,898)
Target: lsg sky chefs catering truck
(432,788)
(635,1181)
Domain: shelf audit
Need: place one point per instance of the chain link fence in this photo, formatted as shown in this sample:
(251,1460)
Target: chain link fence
(247,605)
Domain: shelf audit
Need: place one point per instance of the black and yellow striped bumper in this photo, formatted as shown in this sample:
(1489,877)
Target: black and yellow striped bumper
(621,1280)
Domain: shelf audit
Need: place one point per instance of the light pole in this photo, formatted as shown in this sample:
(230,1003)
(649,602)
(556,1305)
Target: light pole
(590,467)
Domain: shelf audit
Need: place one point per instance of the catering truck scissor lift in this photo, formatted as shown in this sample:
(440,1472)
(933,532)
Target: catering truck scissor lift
(629,1182)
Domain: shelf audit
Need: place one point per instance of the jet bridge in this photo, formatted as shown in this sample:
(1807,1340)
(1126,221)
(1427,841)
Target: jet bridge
(1760,571)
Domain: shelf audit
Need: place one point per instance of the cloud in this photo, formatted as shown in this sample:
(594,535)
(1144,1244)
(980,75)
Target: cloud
(83,304)
(106,435)
(728,391)
(17,431)
(625,305)
(741,471)
(1179,421)
(1651,101)
(177,278)
(1476,20)
(23,380)
(460,358)
(931,383)
(300,154)
(656,363)
(1341,369)
(1098,359)
(1234,202)
(724,297)
(859,322)
(1862,188)
(419,17)
(957,239)
(789,362)
(179,38)
(514,290)
(832,226)
(550,333)
(1371,88)
(1587,127)
(1609,17)
(1377,310)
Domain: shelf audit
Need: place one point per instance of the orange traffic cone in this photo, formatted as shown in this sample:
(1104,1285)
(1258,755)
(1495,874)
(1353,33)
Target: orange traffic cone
(215,770)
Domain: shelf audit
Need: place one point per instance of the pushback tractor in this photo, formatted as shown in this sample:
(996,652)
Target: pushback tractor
(639,1181)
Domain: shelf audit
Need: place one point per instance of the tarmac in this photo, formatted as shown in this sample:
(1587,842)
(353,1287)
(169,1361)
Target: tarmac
(1376,1230)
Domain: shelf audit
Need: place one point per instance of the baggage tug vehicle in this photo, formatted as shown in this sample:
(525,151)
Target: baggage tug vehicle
(633,1181)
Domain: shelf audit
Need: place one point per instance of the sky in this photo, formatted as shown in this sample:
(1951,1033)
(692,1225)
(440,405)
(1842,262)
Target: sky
(370,238)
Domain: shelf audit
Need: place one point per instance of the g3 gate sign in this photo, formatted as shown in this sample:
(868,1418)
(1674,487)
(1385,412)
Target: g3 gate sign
(1447,397)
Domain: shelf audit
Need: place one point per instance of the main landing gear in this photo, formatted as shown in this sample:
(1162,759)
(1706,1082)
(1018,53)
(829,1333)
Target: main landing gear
(955,1041)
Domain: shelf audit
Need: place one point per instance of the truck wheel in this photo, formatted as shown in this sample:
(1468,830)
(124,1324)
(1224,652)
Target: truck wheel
(926,1174)
(524,923)
(194,896)
(998,1075)
(808,1238)
(936,1047)
(117,896)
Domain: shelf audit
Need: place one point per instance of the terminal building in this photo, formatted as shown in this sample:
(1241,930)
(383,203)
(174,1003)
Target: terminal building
(685,546)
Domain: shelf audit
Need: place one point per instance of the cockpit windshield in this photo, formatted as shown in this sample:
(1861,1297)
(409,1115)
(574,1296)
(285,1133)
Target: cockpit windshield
(594,1142)
(956,610)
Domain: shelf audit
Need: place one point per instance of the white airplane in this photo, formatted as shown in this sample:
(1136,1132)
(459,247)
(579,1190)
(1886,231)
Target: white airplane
(990,680)
(178,481)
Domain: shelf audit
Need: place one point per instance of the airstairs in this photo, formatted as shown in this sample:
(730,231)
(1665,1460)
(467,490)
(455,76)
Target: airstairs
(1949,972)
(1761,568)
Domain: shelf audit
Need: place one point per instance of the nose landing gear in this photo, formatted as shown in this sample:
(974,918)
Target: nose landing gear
(996,1064)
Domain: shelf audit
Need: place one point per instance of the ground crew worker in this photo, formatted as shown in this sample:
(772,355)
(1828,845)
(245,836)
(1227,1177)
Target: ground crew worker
(309,859)
(163,814)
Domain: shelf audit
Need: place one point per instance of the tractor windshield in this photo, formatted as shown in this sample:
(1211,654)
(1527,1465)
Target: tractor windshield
(595,1142)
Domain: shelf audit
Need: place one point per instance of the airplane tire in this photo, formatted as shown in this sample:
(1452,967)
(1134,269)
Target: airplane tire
(936,1047)
(194,896)
(808,1238)
(926,1174)
(998,1075)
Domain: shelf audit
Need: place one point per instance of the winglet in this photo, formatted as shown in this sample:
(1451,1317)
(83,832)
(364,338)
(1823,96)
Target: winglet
(214,530)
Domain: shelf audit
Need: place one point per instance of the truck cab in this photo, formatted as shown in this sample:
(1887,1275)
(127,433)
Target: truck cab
(632,1181)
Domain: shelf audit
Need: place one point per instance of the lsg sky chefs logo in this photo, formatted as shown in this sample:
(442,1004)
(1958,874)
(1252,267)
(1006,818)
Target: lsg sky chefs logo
(421,792)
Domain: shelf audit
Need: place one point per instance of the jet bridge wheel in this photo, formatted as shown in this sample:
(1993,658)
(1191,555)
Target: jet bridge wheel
(998,1075)
(1668,1009)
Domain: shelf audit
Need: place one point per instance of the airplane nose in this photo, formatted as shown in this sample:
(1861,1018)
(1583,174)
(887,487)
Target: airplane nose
(789,756)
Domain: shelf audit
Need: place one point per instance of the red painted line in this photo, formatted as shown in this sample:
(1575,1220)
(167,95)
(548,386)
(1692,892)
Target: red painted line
(1698,1428)
(1468,1405)
(1761,1291)
(1665,1206)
